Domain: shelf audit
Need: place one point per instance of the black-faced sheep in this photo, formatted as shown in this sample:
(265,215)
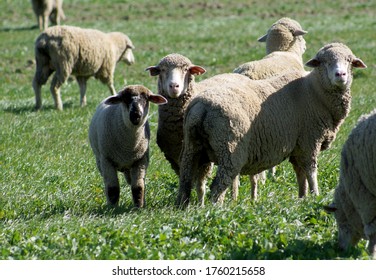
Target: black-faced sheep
(119,135)
(46,10)
(68,50)
(246,126)
(354,204)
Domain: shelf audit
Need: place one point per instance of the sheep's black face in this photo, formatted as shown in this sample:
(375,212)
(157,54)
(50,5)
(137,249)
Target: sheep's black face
(137,108)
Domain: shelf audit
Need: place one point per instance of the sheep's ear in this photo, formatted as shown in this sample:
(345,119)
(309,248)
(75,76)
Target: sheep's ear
(157,99)
(358,63)
(330,208)
(299,32)
(112,100)
(154,70)
(196,70)
(314,62)
(263,38)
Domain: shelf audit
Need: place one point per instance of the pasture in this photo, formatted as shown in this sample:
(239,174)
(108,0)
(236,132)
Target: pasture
(52,204)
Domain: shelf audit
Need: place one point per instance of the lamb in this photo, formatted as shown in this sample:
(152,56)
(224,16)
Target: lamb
(246,126)
(119,136)
(48,9)
(354,204)
(69,50)
(176,82)
(285,46)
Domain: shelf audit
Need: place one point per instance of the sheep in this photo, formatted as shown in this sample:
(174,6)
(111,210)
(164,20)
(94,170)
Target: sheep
(69,50)
(176,82)
(354,204)
(119,136)
(246,126)
(285,46)
(48,9)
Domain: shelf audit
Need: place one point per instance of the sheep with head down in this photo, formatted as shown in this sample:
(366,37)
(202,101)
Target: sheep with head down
(83,53)
(119,136)
(246,126)
(354,204)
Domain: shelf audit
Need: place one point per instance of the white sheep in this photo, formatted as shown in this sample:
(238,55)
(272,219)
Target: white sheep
(176,82)
(285,46)
(69,50)
(246,126)
(355,196)
(48,9)
(119,136)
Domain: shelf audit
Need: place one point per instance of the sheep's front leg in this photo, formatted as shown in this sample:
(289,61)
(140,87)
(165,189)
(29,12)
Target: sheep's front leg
(82,84)
(254,179)
(301,177)
(111,183)
(138,174)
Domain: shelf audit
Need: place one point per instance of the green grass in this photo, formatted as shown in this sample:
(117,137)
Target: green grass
(52,204)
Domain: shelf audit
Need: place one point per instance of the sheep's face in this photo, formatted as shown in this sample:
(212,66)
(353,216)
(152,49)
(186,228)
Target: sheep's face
(175,73)
(128,57)
(336,61)
(135,102)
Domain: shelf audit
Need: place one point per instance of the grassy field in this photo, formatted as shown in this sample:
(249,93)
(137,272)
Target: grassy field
(52,204)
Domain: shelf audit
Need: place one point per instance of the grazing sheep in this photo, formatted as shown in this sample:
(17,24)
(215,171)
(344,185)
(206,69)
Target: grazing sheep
(69,50)
(246,126)
(48,9)
(285,46)
(355,196)
(177,84)
(119,135)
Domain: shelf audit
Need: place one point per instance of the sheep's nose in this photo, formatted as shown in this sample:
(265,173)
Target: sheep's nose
(341,74)
(174,86)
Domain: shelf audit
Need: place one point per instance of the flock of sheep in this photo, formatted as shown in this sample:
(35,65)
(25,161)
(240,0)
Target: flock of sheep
(244,122)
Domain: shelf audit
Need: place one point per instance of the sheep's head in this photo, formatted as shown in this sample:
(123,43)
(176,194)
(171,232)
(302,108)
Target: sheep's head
(127,56)
(135,101)
(175,74)
(335,62)
(285,35)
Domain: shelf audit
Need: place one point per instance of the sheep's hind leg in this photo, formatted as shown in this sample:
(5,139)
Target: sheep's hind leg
(372,245)
(189,170)
(82,84)
(55,91)
(222,181)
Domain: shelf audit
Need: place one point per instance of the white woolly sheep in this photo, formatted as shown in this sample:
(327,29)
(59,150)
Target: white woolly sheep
(119,136)
(285,46)
(177,84)
(48,9)
(246,126)
(355,196)
(69,50)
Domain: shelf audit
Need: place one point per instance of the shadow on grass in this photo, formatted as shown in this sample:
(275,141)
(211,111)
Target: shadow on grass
(27,108)
(21,28)
(298,250)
